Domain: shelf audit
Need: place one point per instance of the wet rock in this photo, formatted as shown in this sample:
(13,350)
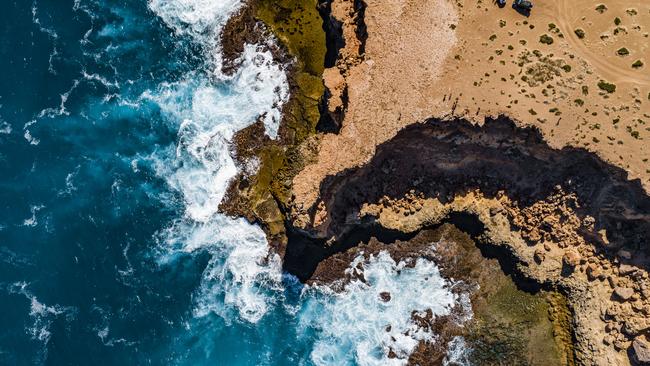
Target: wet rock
(623,293)
(385,296)
(641,349)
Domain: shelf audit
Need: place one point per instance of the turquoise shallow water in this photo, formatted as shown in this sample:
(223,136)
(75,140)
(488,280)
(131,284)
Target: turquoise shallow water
(114,129)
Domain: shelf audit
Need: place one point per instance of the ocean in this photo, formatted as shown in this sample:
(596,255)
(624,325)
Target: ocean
(115,129)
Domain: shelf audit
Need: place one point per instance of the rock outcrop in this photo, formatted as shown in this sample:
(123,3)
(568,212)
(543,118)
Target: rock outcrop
(574,222)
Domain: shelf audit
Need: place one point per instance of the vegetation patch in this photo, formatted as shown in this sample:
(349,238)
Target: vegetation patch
(546,39)
(608,87)
(580,33)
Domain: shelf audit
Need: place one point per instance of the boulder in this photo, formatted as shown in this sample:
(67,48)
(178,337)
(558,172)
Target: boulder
(641,349)
(593,272)
(626,269)
(571,258)
(384,296)
(623,293)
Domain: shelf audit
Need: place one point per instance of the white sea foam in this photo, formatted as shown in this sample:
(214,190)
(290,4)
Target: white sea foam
(208,111)
(201,20)
(5,128)
(50,112)
(32,221)
(51,33)
(457,353)
(357,328)
(42,316)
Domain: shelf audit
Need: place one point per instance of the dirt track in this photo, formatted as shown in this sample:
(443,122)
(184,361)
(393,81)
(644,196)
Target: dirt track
(601,54)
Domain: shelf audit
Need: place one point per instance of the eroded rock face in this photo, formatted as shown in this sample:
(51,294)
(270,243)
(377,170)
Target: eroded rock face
(572,221)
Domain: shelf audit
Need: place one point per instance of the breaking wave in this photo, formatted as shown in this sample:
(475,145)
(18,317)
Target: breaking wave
(208,108)
(358,327)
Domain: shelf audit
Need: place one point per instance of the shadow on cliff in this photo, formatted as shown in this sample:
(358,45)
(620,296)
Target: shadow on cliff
(441,159)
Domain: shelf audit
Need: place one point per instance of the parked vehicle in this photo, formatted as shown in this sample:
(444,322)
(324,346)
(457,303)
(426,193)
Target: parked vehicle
(523,4)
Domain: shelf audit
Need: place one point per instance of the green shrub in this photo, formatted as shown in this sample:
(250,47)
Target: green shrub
(637,64)
(608,87)
(623,51)
(580,33)
(546,39)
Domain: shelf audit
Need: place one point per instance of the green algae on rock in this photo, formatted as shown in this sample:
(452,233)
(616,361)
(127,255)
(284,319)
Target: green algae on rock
(297,25)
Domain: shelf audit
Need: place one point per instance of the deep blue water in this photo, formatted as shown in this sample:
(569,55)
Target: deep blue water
(113,155)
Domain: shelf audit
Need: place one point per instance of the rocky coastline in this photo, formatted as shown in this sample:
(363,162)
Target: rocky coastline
(567,227)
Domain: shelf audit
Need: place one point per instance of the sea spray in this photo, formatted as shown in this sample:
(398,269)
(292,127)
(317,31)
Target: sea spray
(208,108)
(358,327)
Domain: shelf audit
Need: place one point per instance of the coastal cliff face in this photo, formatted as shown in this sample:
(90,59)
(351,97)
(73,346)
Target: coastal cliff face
(409,115)
(573,222)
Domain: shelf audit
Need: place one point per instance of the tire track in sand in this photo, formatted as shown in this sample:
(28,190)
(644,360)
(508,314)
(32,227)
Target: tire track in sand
(569,12)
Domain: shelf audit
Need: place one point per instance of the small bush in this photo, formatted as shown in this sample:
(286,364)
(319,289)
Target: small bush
(637,64)
(546,39)
(608,87)
(623,51)
(617,21)
(579,102)
(601,8)
(580,33)
(566,68)
(585,90)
